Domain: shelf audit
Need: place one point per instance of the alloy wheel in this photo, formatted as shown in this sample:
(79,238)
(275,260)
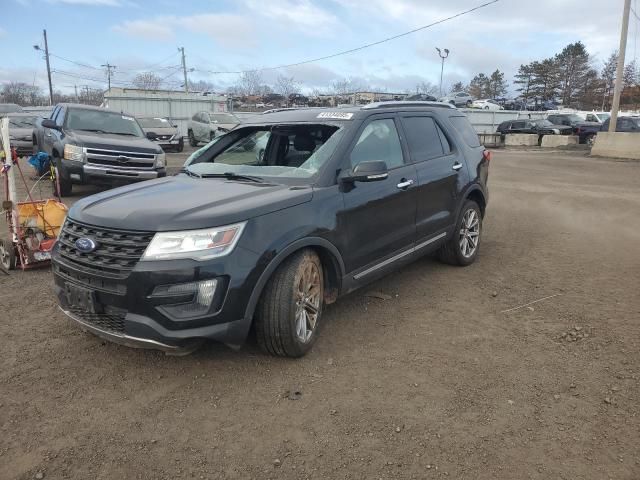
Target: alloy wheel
(469,233)
(308,290)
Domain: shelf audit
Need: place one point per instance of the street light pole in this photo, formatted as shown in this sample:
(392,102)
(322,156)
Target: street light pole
(446,54)
(108,66)
(617,90)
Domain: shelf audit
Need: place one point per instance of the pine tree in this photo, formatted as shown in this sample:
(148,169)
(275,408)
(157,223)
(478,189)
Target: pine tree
(479,86)
(496,86)
(572,65)
(523,78)
(608,75)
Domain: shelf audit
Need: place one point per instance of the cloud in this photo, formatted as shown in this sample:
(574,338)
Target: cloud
(227,30)
(97,3)
(297,14)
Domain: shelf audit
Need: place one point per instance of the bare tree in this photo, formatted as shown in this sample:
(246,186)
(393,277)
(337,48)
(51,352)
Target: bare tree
(201,86)
(427,88)
(346,86)
(286,86)
(249,83)
(22,94)
(147,81)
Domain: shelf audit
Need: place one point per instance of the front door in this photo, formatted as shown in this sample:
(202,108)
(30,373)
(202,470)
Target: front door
(438,166)
(379,216)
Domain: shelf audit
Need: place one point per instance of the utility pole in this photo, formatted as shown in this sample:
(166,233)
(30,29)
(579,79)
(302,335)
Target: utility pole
(46,57)
(446,54)
(184,70)
(76,89)
(108,67)
(617,90)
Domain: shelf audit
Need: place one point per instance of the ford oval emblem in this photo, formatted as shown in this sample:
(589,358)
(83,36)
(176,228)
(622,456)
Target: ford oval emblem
(86,245)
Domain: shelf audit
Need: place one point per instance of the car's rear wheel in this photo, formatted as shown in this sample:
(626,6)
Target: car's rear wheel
(469,103)
(7,255)
(290,309)
(462,248)
(192,140)
(590,139)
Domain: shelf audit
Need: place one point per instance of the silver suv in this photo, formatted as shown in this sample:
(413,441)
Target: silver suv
(205,126)
(458,99)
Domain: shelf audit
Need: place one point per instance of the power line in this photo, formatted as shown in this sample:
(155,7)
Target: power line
(80,64)
(362,47)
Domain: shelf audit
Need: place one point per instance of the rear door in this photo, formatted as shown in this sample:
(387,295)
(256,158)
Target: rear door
(379,216)
(438,167)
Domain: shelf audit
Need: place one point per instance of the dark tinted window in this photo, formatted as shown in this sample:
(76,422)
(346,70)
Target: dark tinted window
(446,146)
(518,125)
(378,141)
(422,137)
(464,128)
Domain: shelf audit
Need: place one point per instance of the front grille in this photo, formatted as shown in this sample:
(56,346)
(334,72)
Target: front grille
(120,159)
(164,137)
(94,283)
(116,254)
(113,321)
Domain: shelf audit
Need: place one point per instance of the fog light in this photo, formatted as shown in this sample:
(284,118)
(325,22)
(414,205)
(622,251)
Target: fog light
(201,293)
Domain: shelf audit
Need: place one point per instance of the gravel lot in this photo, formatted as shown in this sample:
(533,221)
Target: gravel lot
(436,380)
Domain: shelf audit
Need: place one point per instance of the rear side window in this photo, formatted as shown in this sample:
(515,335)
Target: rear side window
(517,125)
(464,128)
(423,138)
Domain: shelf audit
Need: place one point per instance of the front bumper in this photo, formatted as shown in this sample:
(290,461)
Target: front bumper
(131,315)
(87,173)
(24,148)
(170,144)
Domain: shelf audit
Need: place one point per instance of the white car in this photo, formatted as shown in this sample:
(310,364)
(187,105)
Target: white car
(205,126)
(486,105)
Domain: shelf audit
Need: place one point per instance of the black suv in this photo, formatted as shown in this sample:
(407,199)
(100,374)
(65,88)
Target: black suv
(270,222)
(537,126)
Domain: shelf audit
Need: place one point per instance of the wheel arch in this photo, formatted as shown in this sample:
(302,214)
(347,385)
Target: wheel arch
(332,265)
(476,194)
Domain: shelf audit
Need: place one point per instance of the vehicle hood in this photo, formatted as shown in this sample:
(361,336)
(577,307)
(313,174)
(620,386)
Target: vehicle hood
(589,124)
(21,132)
(185,203)
(161,130)
(110,141)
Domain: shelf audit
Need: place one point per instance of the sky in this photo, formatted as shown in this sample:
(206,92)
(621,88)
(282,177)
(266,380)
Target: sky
(235,35)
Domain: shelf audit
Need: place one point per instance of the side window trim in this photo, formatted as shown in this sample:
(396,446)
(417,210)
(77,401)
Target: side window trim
(60,117)
(399,132)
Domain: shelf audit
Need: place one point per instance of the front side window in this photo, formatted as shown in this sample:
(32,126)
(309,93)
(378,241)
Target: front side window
(378,141)
(102,121)
(423,138)
(282,151)
(224,118)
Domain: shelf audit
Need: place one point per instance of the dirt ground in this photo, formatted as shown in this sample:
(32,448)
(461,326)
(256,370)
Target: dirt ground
(438,380)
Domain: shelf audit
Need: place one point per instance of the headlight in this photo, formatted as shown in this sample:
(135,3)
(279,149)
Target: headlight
(196,244)
(556,131)
(73,152)
(161,160)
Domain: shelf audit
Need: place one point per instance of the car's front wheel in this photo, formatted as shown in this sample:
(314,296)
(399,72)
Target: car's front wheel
(289,311)
(192,139)
(462,248)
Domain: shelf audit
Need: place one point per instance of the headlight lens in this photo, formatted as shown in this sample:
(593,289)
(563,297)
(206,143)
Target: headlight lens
(196,244)
(73,152)
(161,160)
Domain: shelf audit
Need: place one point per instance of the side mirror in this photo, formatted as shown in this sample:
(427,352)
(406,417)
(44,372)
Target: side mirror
(370,171)
(48,123)
(150,135)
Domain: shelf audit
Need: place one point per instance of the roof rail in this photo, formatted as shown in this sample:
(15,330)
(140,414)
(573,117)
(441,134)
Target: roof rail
(407,103)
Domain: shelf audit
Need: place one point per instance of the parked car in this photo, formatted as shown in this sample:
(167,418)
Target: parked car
(162,132)
(486,105)
(586,131)
(204,126)
(538,127)
(422,97)
(236,243)
(20,132)
(623,124)
(517,105)
(595,117)
(459,99)
(94,145)
(9,108)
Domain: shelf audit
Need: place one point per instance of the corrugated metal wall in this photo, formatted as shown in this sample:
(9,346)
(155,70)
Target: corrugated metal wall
(178,107)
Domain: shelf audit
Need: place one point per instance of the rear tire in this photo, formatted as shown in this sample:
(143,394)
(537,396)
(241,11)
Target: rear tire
(7,255)
(290,308)
(469,103)
(192,140)
(462,249)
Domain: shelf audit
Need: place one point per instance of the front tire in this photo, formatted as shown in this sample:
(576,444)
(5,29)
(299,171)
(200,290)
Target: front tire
(62,186)
(290,308)
(180,147)
(192,140)
(462,249)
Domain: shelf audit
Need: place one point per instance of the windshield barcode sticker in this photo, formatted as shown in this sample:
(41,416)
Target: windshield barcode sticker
(336,115)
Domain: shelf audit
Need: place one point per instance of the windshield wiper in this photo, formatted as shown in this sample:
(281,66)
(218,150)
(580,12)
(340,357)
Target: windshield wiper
(124,133)
(190,173)
(95,130)
(233,176)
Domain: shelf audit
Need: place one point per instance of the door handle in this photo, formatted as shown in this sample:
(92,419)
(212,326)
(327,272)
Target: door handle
(404,184)
(457,166)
